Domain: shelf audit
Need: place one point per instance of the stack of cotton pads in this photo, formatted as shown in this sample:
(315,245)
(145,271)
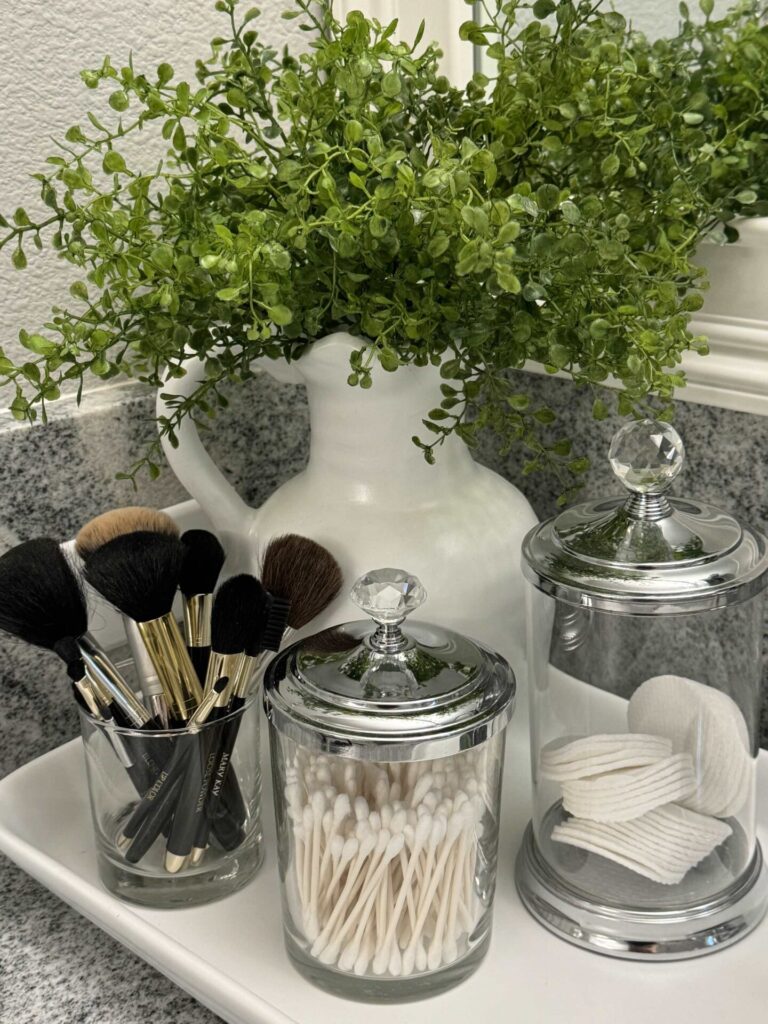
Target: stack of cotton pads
(383,874)
(652,799)
(706,724)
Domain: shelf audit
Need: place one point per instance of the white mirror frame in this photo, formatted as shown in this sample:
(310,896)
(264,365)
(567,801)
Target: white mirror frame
(735,317)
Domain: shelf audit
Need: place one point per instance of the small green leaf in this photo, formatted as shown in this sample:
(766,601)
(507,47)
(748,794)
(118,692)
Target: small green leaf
(164,73)
(113,162)
(707,6)
(508,281)
(692,117)
(280,315)
(39,345)
(610,165)
(21,218)
(747,196)
(78,290)
(600,410)
(229,294)
(18,259)
(118,101)
(543,8)
(438,245)
(391,84)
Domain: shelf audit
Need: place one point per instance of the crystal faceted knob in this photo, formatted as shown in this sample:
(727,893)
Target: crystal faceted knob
(646,456)
(388,596)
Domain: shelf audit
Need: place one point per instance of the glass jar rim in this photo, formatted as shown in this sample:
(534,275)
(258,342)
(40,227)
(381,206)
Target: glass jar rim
(122,730)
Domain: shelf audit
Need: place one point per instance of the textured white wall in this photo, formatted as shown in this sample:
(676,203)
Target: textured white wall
(43,46)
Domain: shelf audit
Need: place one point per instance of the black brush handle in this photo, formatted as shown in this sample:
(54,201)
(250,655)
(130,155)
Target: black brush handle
(226,810)
(229,806)
(154,821)
(200,656)
(191,800)
(157,793)
(158,806)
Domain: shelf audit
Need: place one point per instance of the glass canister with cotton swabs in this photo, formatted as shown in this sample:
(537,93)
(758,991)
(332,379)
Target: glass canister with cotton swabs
(645,625)
(387,747)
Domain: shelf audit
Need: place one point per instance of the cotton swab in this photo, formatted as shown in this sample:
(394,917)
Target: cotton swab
(383,859)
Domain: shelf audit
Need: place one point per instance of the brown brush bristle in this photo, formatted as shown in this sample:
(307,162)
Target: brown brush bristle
(118,522)
(304,573)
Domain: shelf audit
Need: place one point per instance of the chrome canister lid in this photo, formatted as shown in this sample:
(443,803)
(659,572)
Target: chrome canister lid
(375,691)
(647,553)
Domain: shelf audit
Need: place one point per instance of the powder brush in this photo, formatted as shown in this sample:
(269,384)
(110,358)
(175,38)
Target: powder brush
(200,569)
(42,603)
(94,535)
(138,572)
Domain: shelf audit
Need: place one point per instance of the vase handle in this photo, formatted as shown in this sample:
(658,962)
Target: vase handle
(192,464)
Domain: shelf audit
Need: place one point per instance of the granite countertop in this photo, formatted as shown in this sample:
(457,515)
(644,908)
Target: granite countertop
(55,967)
(58,968)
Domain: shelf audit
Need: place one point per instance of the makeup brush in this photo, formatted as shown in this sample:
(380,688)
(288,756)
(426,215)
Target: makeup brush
(94,535)
(164,797)
(237,619)
(304,576)
(240,614)
(138,573)
(42,603)
(238,611)
(200,568)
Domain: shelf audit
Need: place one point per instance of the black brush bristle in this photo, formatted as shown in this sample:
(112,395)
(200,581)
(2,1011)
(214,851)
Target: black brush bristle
(41,600)
(138,573)
(239,610)
(203,560)
(303,573)
(274,627)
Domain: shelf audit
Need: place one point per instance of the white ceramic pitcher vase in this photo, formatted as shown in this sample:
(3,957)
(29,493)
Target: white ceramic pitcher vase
(369,496)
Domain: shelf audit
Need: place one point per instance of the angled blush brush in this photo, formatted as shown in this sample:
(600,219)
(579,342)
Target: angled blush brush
(200,568)
(302,578)
(94,535)
(137,572)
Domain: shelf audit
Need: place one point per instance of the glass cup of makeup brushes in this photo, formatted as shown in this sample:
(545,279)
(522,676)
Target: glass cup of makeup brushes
(176,813)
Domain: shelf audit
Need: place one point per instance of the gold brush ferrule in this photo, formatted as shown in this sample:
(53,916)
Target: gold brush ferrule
(220,665)
(169,655)
(197,620)
(242,682)
(204,708)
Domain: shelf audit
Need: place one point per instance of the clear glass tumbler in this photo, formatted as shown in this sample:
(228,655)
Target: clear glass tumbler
(177,815)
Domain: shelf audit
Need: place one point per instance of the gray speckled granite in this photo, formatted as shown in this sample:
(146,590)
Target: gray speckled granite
(54,966)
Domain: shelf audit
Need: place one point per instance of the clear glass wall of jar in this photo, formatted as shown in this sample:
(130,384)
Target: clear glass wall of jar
(645,739)
(388,869)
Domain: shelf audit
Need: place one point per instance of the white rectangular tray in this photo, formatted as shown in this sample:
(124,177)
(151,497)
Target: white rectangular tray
(229,955)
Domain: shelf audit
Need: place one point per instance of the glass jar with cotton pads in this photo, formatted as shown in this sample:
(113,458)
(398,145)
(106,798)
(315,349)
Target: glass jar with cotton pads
(387,747)
(645,623)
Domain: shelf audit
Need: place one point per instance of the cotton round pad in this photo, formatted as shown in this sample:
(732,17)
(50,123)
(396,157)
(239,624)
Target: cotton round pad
(605,752)
(631,792)
(662,845)
(708,725)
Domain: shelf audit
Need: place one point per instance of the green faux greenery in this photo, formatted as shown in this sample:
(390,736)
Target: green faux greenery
(549,213)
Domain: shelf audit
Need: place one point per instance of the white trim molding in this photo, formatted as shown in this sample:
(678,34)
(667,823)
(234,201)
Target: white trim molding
(734,375)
